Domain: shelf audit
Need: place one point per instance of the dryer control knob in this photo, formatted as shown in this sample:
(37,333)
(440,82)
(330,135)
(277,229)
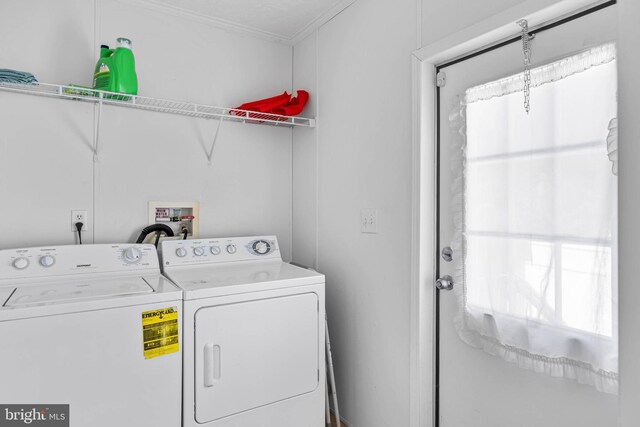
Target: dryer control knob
(21,263)
(198,251)
(131,255)
(181,252)
(47,261)
(215,250)
(231,249)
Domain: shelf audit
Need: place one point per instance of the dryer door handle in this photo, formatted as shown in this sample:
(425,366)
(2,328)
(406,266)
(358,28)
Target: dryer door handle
(211,364)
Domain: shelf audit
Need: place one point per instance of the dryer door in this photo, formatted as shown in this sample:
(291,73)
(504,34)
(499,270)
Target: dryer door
(254,353)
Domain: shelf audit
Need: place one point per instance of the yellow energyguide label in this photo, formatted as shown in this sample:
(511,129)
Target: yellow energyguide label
(160,332)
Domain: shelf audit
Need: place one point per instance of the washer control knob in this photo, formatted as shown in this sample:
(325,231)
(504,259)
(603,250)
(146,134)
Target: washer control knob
(215,250)
(261,247)
(21,263)
(231,249)
(198,251)
(131,255)
(47,261)
(181,252)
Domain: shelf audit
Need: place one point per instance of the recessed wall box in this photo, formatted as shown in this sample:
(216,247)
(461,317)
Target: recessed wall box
(177,215)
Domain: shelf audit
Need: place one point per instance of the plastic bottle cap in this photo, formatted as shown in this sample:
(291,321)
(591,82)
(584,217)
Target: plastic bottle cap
(124,42)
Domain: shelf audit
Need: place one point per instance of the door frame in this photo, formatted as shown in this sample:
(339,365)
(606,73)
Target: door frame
(425,151)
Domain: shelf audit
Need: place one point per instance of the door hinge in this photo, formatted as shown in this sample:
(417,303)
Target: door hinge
(441,79)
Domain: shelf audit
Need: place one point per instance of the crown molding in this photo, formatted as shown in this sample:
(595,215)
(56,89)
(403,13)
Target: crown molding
(243,29)
(209,20)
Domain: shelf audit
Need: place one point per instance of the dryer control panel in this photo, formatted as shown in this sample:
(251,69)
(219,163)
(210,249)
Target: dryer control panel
(224,249)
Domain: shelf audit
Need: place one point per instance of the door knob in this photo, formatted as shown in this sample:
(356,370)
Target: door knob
(445,283)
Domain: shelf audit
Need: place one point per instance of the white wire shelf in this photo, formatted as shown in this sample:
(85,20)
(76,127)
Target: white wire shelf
(158,105)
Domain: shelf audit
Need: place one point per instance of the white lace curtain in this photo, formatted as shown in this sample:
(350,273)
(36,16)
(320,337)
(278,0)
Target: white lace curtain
(535,214)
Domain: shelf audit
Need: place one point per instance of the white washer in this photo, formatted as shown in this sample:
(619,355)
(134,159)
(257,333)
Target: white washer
(71,333)
(254,351)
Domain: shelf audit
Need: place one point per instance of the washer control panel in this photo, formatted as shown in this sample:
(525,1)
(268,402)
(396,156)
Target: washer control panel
(227,249)
(76,259)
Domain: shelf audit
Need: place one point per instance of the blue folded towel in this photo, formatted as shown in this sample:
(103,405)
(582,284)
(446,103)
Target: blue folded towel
(14,76)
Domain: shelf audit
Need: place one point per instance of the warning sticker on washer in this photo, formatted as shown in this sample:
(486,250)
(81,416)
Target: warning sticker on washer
(160,332)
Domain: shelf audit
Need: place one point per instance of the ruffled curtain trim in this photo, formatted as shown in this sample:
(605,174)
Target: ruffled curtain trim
(612,145)
(546,74)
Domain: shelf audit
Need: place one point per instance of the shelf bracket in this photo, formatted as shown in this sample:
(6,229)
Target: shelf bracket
(213,144)
(96,130)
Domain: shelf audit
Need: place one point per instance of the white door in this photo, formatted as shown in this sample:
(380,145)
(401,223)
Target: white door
(477,389)
(254,353)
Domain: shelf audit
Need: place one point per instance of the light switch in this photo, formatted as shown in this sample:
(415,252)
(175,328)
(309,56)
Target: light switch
(369,221)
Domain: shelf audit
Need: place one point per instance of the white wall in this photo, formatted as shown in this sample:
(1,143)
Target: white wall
(360,63)
(46,166)
(629,208)
(363,148)
(442,18)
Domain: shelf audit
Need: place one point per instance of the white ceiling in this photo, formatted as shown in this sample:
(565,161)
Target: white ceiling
(283,20)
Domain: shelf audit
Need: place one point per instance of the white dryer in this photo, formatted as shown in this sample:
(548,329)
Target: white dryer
(253,334)
(95,327)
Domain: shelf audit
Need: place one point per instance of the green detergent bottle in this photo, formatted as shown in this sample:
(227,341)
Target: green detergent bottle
(116,69)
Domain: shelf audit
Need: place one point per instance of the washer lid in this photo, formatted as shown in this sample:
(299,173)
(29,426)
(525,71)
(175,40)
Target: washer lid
(62,292)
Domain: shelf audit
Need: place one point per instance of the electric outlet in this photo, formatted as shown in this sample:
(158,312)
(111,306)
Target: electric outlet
(79,216)
(369,221)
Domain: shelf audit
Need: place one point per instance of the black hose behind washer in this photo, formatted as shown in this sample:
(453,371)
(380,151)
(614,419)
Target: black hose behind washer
(158,228)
